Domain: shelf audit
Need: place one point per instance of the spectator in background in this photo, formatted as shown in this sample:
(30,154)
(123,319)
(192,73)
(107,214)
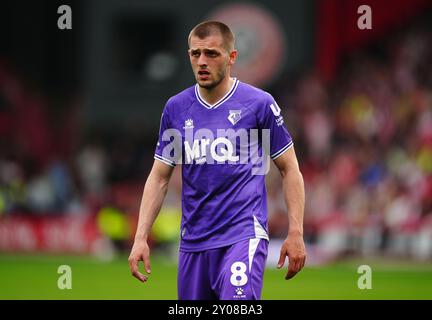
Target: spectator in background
(92,166)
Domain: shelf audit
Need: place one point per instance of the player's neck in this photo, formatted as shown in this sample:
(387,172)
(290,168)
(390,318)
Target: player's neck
(213,95)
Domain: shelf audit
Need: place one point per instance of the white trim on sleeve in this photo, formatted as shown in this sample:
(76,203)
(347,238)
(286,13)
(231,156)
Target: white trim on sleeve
(281,151)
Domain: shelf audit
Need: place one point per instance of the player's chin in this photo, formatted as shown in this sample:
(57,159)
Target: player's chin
(205,83)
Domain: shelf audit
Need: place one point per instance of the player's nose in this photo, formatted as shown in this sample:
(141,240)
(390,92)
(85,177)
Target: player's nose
(202,62)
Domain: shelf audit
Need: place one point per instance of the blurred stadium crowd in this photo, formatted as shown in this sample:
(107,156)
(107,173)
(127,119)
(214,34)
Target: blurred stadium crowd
(364,143)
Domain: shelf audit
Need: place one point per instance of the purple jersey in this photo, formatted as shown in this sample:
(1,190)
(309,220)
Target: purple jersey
(222,149)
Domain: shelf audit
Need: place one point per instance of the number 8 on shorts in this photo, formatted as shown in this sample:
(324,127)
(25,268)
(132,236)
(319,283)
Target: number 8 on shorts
(238,275)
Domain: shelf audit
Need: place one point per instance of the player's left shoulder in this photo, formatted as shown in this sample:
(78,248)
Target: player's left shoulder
(254,97)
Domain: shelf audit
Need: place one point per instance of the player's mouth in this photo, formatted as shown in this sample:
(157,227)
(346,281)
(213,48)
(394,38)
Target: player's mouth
(203,74)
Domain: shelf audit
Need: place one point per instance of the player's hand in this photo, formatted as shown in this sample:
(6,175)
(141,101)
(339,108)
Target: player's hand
(140,252)
(294,248)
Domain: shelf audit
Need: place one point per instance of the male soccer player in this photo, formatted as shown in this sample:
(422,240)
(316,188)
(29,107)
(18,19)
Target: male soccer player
(217,130)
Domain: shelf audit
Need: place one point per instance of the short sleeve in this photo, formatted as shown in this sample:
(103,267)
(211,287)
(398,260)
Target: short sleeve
(270,118)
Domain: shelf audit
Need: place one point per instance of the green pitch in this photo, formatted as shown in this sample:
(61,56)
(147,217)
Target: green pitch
(35,277)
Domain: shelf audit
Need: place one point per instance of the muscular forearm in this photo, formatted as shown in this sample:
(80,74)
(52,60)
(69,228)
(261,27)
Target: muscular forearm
(154,193)
(293,189)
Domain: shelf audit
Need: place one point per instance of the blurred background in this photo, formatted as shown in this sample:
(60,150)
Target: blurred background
(79,118)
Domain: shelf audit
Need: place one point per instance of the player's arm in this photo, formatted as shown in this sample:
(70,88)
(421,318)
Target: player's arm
(293,189)
(154,193)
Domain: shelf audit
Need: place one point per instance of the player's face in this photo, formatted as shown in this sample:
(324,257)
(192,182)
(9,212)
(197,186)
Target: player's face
(210,60)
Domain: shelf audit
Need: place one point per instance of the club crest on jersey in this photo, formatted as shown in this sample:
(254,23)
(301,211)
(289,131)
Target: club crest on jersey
(234,116)
(188,124)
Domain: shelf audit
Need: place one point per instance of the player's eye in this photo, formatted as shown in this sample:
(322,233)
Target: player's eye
(195,54)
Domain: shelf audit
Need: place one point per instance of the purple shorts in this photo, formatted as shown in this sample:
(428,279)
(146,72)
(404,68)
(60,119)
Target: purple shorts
(234,272)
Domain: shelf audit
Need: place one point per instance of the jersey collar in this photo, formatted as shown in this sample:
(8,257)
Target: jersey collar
(221,101)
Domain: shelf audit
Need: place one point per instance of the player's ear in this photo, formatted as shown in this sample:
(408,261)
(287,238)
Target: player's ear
(233,57)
